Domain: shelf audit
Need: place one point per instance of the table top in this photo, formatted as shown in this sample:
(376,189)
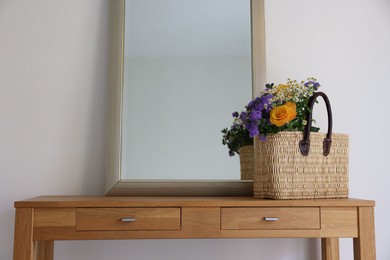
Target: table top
(179,201)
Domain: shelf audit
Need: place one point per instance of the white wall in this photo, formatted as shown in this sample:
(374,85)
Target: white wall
(53,81)
(53,77)
(345,44)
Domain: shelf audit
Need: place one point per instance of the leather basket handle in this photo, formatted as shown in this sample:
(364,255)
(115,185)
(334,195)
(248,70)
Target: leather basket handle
(304,144)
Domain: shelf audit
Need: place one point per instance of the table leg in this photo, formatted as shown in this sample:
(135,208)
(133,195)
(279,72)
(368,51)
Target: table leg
(330,248)
(364,245)
(23,236)
(44,250)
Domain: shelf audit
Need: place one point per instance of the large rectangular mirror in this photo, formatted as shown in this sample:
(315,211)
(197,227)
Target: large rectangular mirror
(178,68)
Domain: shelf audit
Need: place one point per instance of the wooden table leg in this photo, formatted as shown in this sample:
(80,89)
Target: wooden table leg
(330,248)
(364,245)
(44,250)
(23,237)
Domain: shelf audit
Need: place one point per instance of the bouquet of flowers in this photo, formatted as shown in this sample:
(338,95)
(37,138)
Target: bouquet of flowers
(236,136)
(280,107)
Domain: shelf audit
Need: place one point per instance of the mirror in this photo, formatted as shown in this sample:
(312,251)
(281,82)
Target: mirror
(185,70)
(178,69)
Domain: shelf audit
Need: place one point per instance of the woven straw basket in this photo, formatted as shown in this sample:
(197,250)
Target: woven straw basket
(282,172)
(246,162)
(302,165)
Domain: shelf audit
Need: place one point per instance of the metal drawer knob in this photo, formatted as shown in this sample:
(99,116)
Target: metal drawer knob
(128,219)
(271,219)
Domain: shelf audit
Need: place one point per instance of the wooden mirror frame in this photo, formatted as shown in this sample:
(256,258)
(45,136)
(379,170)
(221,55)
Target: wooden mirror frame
(117,186)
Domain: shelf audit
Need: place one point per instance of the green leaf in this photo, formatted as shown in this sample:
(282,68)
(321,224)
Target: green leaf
(314,129)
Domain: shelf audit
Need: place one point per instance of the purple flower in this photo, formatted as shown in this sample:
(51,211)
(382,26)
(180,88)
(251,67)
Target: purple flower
(259,106)
(315,85)
(243,116)
(253,131)
(250,104)
(265,99)
(254,104)
(255,115)
(235,114)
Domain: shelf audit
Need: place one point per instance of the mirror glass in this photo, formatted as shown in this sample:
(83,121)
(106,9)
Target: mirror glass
(187,67)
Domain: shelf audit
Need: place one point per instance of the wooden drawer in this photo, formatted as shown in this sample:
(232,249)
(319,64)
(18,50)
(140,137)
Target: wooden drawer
(270,218)
(128,219)
(54,217)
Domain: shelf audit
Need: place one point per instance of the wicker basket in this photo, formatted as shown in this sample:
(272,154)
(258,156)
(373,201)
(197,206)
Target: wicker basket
(302,165)
(246,162)
(282,172)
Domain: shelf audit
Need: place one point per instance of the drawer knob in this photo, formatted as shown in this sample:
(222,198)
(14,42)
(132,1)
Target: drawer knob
(271,219)
(128,219)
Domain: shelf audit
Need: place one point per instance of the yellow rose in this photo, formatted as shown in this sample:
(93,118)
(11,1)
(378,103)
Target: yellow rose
(280,115)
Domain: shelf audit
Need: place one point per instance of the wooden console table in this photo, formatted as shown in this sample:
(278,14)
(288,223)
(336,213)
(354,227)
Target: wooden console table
(41,220)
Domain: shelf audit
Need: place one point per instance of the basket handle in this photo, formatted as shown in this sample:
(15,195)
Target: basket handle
(304,144)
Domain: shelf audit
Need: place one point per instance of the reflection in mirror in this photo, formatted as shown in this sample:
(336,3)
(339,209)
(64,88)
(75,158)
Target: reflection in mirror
(187,67)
